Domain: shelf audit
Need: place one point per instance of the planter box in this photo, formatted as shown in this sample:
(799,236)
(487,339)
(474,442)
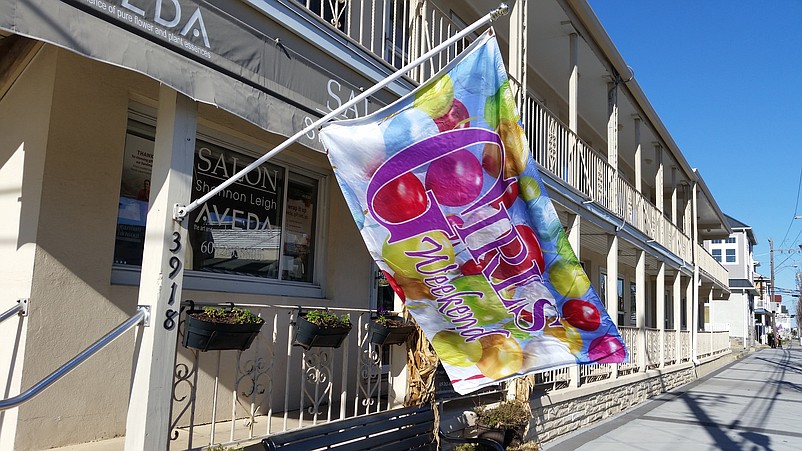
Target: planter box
(207,336)
(308,335)
(384,335)
(503,436)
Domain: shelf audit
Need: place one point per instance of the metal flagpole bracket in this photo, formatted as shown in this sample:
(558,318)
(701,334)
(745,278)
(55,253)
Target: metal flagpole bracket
(179,212)
(145,319)
(502,10)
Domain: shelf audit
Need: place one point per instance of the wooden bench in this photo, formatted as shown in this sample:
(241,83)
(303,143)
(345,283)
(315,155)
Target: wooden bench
(408,428)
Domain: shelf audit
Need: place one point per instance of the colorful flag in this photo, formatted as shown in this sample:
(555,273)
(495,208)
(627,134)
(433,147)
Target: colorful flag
(450,203)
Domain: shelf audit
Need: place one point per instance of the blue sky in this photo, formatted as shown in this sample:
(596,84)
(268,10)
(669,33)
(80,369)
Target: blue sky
(726,79)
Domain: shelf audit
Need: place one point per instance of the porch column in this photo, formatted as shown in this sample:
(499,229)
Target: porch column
(694,300)
(689,296)
(677,292)
(612,285)
(612,277)
(616,203)
(574,236)
(518,54)
(658,178)
(638,154)
(573,81)
(674,195)
(148,424)
(661,309)
(640,307)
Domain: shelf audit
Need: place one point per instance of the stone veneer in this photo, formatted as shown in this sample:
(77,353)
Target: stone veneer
(559,413)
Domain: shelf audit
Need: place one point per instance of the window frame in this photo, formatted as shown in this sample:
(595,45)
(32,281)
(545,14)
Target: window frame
(196,280)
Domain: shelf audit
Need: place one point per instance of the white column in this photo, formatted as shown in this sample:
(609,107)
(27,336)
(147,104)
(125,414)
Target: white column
(612,277)
(573,82)
(574,236)
(574,233)
(612,285)
(658,178)
(693,326)
(689,296)
(640,306)
(638,154)
(661,309)
(518,44)
(677,292)
(616,204)
(148,423)
(674,195)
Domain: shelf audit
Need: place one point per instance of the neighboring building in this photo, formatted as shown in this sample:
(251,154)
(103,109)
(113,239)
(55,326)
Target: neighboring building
(112,112)
(736,313)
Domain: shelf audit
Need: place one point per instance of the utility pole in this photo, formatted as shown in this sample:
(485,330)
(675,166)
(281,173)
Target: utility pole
(771,292)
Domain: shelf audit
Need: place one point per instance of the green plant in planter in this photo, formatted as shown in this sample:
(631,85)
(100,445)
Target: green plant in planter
(388,328)
(510,416)
(235,315)
(217,328)
(319,328)
(322,318)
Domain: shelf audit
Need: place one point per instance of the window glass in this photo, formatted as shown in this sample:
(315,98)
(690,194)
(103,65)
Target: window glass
(731,240)
(730,255)
(298,244)
(716,254)
(263,225)
(237,231)
(134,194)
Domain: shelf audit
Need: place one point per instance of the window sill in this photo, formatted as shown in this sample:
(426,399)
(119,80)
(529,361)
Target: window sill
(225,283)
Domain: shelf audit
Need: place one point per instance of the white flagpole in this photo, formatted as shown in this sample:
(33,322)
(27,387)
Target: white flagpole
(181,211)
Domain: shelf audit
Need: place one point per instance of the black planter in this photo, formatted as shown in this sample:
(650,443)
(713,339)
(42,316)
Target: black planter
(309,335)
(384,335)
(500,435)
(207,336)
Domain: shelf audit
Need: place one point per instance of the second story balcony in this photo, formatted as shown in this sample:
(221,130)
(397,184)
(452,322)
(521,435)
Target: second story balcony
(639,177)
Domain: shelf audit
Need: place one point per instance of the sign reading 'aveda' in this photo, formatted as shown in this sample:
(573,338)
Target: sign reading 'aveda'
(181,26)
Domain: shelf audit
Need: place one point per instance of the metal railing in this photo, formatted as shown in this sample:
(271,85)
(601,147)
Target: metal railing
(20,309)
(396,31)
(710,266)
(140,316)
(222,397)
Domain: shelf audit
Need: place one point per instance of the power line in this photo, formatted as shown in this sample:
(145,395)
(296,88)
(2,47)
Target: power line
(794,216)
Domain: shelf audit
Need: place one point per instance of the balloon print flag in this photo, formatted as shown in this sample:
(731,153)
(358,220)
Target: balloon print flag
(451,205)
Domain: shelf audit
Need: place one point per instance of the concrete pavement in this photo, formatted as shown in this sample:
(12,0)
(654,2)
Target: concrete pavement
(752,404)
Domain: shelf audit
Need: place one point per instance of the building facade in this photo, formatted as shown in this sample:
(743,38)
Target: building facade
(735,314)
(114,112)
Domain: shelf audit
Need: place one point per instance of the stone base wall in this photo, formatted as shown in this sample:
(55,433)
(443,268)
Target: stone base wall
(560,413)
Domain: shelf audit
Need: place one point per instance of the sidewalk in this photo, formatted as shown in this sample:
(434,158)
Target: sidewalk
(753,404)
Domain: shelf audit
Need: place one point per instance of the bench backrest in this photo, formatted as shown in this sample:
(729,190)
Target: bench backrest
(400,429)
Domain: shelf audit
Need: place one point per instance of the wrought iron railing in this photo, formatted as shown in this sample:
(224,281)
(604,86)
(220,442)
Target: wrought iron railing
(227,397)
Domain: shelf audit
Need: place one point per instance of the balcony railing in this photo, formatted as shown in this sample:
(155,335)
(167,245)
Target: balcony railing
(396,31)
(710,266)
(564,154)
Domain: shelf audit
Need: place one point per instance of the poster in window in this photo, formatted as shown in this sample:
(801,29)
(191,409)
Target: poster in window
(300,217)
(237,231)
(134,197)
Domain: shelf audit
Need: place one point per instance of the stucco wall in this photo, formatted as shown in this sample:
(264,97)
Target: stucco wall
(70,114)
(23,114)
